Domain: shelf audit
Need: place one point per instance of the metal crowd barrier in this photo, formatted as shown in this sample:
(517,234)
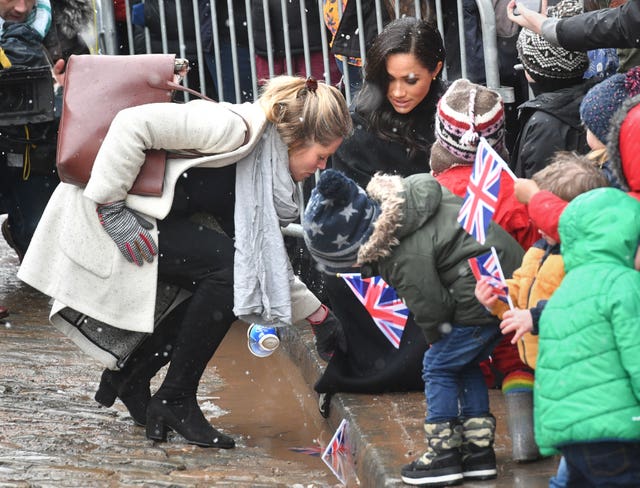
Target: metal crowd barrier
(108,42)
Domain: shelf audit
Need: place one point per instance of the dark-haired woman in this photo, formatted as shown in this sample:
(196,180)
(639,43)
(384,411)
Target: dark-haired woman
(394,113)
(393,118)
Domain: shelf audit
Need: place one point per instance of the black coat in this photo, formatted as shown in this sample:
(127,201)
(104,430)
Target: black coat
(364,153)
(294,24)
(615,27)
(69,19)
(222,14)
(22,46)
(152,22)
(548,123)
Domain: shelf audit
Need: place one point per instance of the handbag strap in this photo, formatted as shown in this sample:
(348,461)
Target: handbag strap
(172,85)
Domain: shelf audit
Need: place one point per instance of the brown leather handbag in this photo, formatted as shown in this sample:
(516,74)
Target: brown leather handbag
(96,88)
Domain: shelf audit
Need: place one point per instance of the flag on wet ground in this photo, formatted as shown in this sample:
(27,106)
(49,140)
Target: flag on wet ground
(311,451)
(336,453)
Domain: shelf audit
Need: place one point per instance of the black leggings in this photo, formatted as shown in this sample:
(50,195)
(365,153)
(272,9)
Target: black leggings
(200,260)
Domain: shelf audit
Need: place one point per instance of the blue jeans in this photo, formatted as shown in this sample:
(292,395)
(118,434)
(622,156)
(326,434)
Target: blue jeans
(561,478)
(228,78)
(453,382)
(355,78)
(473,42)
(603,464)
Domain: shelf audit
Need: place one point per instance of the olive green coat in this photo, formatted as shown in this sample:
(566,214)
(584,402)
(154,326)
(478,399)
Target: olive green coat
(421,250)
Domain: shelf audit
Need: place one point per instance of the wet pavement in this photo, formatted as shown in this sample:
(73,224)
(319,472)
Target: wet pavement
(53,434)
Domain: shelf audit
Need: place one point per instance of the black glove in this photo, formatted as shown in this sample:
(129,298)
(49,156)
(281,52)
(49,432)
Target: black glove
(129,231)
(329,335)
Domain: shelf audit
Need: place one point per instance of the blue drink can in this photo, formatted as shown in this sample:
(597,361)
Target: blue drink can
(262,340)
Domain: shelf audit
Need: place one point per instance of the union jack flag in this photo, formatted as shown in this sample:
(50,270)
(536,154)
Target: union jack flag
(488,266)
(311,451)
(387,310)
(336,453)
(482,193)
(338,443)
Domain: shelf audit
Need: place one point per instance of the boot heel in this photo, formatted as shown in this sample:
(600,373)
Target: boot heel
(156,430)
(106,394)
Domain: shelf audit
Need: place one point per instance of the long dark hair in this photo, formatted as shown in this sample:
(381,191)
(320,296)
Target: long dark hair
(407,35)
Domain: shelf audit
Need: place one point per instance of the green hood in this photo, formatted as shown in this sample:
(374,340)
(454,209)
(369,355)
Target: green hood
(600,226)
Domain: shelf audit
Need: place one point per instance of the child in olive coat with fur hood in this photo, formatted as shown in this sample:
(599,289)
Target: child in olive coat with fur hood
(405,230)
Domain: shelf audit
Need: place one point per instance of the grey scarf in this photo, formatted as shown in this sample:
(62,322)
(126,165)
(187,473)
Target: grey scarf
(266,198)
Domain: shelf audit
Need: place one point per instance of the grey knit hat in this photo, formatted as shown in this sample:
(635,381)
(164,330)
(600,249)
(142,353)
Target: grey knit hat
(544,61)
(338,219)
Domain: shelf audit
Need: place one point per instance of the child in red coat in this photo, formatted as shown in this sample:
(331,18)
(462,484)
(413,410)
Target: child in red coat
(466,112)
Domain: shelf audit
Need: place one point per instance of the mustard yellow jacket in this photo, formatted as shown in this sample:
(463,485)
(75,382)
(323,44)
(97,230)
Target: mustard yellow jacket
(530,287)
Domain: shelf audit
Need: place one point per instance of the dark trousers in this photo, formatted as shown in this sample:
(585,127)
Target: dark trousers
(603,464)
(24,201)
(200,260)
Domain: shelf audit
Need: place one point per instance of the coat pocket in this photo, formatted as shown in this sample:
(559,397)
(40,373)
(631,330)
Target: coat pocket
(84,241)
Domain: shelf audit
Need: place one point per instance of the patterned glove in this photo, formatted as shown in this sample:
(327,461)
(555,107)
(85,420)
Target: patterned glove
(329,334)
(129,231)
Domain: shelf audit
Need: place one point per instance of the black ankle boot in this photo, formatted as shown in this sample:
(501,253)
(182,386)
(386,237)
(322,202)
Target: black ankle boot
(185,417)
(131,383)
(135,398)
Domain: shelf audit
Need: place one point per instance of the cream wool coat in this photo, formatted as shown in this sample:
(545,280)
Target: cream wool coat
(72,259)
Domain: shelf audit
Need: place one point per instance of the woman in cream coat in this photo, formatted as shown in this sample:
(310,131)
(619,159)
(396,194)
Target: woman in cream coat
(94,248)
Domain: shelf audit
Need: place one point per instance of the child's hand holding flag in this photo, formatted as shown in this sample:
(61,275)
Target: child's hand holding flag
(491,284)
(485,294)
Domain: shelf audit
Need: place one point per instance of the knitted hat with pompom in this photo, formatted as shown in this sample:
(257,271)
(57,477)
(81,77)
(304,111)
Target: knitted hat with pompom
(602,101)
(544,61)
(338,219)
(466,112)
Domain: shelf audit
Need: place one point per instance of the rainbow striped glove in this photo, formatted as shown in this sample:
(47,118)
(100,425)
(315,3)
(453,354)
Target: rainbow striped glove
(129,231)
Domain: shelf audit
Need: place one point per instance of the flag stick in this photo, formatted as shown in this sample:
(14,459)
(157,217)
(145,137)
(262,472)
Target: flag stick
(495,256)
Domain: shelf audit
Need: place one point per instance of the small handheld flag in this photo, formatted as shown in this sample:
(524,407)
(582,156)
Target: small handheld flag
(482,192)
(488,266)
(387,310)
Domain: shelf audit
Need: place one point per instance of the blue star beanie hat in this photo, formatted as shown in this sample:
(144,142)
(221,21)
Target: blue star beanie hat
(602,101)
(338,219)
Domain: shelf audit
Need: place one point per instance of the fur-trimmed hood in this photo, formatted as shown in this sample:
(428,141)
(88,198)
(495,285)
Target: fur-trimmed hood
(419,248)
(405,206)
(627,171)
(72,16)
